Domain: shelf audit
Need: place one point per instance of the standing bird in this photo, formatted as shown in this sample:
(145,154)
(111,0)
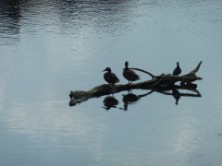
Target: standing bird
(110,77)
(177,70)
(130,75)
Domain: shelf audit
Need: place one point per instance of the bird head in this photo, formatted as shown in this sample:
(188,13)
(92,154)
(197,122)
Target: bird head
(126,64)
(108,69)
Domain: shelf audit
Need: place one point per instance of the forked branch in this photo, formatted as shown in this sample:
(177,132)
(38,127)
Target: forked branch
(157,83)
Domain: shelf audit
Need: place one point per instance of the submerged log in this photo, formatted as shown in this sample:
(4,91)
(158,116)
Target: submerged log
(161,83)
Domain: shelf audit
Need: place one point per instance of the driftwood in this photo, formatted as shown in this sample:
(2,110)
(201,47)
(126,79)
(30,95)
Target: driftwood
(164,83)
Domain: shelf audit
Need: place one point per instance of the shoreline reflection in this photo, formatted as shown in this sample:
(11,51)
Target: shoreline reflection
(10,16)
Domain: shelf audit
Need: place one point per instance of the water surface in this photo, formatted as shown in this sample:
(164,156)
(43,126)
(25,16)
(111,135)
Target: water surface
(49,48)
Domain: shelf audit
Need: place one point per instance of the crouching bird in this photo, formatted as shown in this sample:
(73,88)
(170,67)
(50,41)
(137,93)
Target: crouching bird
(129,74)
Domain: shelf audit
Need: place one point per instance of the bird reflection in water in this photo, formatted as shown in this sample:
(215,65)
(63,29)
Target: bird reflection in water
(131,98)
(110,102)
(176,94)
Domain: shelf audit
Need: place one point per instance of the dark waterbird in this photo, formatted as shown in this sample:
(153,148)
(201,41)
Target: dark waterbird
(129,74)
(177,70)
(110,77)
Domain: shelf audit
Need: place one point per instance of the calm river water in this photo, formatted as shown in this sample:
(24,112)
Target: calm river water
(48,48)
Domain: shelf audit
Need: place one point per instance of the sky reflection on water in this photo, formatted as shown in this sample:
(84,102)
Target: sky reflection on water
(48,49)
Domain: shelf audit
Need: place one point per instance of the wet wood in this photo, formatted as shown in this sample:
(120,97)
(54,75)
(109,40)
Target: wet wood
(161,83)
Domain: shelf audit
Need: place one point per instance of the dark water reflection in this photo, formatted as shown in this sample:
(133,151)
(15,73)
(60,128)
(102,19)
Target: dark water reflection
(131,98)
(176,91)
(72,15)
(10,15)
(110,102)
(51,47)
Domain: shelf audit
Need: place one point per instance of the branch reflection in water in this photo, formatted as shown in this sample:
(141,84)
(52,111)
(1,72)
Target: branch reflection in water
(164,84)
(176,91)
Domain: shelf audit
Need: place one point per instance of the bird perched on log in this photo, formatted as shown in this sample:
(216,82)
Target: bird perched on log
(129,74)
(110,77)
(177,70)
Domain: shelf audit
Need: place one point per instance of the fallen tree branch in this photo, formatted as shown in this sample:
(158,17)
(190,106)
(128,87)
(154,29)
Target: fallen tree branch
(158,83)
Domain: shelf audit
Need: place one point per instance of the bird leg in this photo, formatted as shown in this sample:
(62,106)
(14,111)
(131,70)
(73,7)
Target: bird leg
(112,88)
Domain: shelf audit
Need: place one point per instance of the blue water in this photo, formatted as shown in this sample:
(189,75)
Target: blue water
(51,47)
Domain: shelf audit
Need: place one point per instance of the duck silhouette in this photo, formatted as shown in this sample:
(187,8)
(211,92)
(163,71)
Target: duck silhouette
(177,70)
(129,74)
(110,77)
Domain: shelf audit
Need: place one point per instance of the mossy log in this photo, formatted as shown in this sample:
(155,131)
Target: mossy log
(161,83)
